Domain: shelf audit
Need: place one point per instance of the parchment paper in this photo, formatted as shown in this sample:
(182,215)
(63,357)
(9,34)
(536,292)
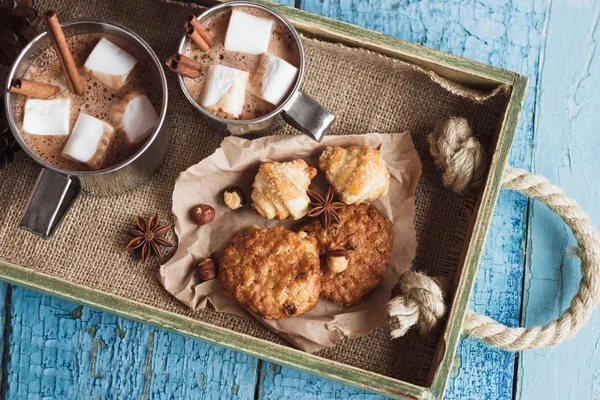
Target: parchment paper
(236,163)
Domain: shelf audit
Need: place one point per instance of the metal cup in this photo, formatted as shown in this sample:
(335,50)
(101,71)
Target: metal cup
(297,109)
(56,189)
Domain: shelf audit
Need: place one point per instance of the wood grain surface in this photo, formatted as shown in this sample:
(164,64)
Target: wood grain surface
(566,145)
(55,349)
(59,350)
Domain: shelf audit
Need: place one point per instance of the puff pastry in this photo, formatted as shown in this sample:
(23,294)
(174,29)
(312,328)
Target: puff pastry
(357,173)
(279,189)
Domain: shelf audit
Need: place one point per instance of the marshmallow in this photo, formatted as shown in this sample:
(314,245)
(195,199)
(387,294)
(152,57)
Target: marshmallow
(88,141)
(47,117)
(247,33)
(137,117)
(224,89)
(109,65)
(273,79)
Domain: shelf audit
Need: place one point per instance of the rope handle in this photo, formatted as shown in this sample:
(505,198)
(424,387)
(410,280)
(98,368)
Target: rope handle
(588,296)
(421,302)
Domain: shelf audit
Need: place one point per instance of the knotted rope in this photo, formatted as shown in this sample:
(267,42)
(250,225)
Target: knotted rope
(420,303)
(582,305)
(458,154)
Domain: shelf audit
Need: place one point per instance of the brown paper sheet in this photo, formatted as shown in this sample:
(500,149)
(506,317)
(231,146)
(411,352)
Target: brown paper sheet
(234,164)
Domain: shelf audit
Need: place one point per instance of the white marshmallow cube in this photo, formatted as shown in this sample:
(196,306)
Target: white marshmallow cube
(47,117)
(137,116)
(109,65)
(224,89)
(89,141)
(247,33)
(273,79)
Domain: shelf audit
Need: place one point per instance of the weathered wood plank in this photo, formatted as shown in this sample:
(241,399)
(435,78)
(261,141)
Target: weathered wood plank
(60,350)
(566,152)
(277,382)
(506,35)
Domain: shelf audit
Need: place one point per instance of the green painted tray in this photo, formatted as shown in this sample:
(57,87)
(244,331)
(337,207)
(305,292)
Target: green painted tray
(84,264)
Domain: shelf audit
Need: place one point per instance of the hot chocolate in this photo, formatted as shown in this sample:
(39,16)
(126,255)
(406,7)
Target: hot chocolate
(103,98)
(270,47)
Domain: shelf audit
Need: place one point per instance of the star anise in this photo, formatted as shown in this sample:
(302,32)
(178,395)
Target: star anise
(148,237)
(325,208)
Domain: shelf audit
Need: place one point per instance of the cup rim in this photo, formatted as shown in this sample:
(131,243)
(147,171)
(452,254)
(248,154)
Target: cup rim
(301,68)
(137,40)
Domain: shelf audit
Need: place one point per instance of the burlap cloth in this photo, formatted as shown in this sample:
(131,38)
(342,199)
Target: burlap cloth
(367,92)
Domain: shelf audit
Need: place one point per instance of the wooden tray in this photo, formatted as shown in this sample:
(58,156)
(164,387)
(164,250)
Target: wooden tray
(466,72)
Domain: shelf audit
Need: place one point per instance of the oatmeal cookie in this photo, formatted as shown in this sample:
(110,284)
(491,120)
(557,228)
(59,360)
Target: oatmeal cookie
(273,272)
(366,236)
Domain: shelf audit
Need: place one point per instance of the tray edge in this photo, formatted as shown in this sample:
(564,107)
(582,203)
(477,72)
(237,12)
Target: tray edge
(259,348)
(481,226)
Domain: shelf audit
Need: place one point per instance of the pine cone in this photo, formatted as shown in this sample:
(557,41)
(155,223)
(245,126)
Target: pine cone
(18,21)
(8,144)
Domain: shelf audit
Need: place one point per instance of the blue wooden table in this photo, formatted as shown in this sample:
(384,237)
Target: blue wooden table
(55,349)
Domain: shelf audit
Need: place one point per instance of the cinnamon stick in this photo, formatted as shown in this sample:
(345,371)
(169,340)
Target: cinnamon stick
(59,42)
(193,34)
(33,89)
(182,69)
(186,61)
(192,20)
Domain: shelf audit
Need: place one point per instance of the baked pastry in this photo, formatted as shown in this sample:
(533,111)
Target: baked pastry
(273,272)
(279,189)
(354,253)
(357,173)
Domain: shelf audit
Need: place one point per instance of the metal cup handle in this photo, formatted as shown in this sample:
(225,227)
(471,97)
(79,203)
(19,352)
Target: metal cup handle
(53,195)
(306,115)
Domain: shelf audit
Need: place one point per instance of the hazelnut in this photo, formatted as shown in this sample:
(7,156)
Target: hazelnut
(234,198)
(202,214)
(337,260)
(207,270)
